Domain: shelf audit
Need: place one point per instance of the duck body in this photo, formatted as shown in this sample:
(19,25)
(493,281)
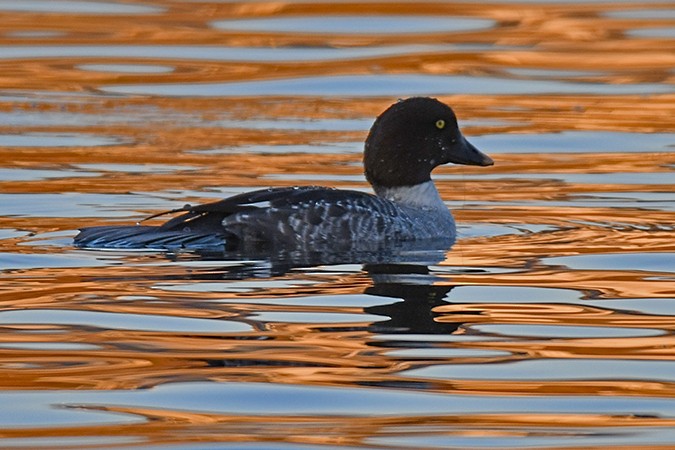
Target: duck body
(297,217)
(406,142)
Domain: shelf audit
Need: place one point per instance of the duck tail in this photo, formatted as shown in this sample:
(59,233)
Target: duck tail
(145,237)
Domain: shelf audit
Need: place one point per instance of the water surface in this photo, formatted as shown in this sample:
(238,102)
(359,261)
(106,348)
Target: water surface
(549,324)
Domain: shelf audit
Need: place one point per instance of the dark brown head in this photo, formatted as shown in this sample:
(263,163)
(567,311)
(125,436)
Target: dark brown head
(411,138)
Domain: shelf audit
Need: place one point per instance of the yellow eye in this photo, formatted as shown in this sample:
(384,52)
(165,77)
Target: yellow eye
(440,124)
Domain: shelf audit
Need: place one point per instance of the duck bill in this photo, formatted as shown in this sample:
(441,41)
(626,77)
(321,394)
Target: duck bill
(469,155)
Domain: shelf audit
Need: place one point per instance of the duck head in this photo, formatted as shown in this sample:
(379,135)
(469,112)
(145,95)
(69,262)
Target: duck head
(411,138)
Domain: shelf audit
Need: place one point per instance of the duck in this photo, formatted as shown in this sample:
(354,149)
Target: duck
(405,144)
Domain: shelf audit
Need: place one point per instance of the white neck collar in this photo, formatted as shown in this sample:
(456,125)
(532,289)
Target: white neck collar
(423,195)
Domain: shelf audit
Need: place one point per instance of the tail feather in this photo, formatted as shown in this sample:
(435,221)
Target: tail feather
(145,237)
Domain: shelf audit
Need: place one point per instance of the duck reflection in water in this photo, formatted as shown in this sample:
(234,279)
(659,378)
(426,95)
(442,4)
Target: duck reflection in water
(407,280)
(416,296)
(413,284)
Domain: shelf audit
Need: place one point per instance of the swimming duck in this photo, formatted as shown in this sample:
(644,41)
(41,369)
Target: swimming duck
(406,142)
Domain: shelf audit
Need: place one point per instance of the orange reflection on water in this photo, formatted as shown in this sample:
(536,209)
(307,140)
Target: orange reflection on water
(163,427)
(123,321)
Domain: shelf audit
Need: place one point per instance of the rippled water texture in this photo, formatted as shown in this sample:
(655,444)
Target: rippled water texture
(548,325)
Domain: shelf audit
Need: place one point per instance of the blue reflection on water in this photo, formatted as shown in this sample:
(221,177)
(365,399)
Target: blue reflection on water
(362,24)
(43,139)
(384,85)
(270,398)
(575,142)
(126,321)
(76,7)
(218,53)
(555,369)
(656,262)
